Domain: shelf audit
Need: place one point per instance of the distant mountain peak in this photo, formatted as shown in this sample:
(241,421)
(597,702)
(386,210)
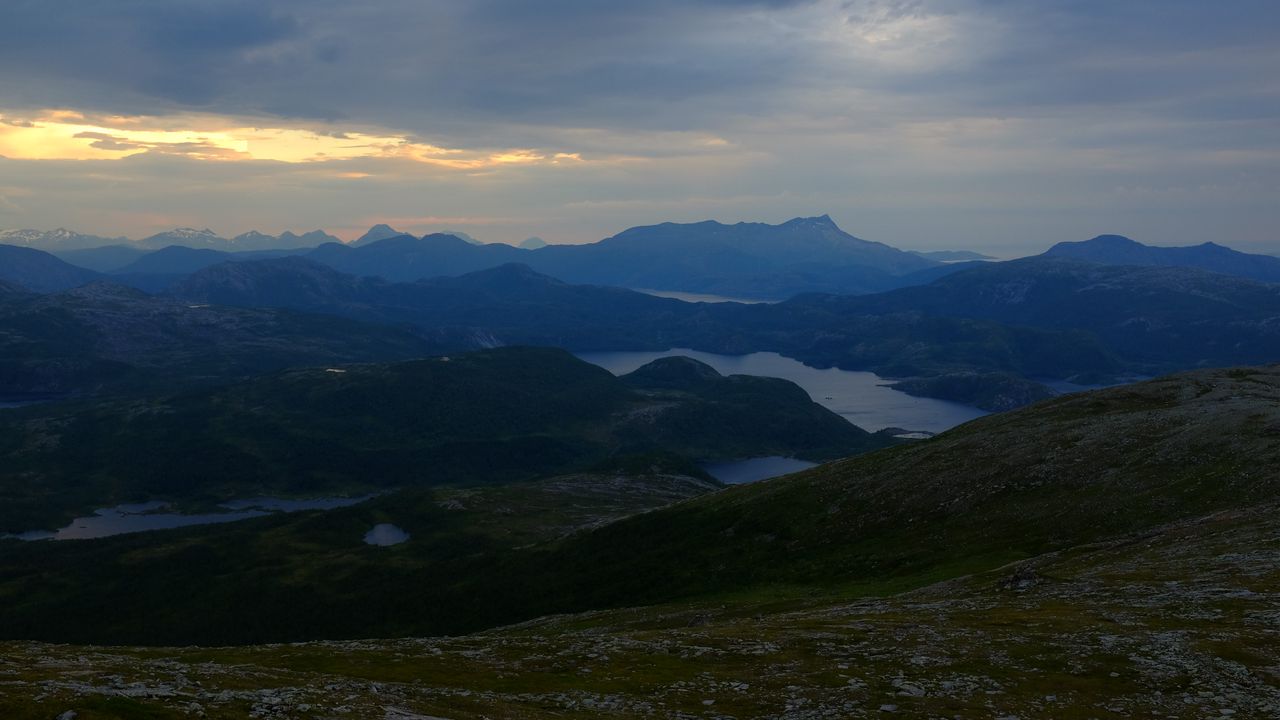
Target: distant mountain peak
(185,236)
(1113,240)
(381,231)
(460,234)
(1210,256)
(514,272)
(190,232)
(816,220)
(532,243)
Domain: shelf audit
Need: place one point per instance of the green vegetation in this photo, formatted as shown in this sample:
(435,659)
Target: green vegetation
(505,415)
(1075,470)
(1174,623)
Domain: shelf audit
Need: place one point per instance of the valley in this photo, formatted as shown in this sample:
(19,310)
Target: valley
(500,492)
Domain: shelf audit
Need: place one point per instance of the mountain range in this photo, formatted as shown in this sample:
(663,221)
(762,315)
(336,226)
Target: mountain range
(745,259)
(1042,317)
(63,240)
(513,304)
(1037,317)
(748,260)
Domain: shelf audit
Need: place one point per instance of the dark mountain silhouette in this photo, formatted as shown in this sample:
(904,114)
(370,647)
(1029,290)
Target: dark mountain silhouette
(752,260)
(950,255)
(106,258)
(40,271)
(513,304)
(405,257)
(287,240)
(1120,250)
(1169,317)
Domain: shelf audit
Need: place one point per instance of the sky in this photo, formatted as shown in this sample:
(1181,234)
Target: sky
(993,125)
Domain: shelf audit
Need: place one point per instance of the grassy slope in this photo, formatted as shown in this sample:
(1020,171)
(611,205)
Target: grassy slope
(1069,471)
(1004,487)
(1176,623)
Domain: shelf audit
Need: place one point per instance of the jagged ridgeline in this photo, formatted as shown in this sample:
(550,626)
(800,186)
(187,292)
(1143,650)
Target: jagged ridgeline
(1079,469)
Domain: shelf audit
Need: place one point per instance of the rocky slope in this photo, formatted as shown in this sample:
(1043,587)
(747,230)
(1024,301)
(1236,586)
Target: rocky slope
(1178,622)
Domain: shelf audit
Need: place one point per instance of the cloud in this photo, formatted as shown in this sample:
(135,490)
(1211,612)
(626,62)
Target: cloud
(511,72)
(921,122)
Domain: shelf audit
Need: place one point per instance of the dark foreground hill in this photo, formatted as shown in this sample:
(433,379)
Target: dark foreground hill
(504,415)
(1172,623)
(1088,468)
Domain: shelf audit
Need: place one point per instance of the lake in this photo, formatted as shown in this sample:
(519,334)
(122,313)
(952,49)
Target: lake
(737,472)
(141,517)
(860,397)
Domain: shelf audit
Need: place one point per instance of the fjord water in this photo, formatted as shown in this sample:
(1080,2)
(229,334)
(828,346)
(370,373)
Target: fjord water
(860,397)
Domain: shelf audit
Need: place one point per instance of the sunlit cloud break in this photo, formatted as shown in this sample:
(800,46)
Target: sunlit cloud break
(70,135)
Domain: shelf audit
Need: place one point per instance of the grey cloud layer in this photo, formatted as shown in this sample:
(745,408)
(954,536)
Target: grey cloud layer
(904,118)
(425,66)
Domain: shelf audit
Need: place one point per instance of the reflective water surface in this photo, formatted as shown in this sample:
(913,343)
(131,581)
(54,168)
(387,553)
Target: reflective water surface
(384,534)
(859,396)
(736,472)
(140,517)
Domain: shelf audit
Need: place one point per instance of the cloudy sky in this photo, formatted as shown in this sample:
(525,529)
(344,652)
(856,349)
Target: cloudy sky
(987,124)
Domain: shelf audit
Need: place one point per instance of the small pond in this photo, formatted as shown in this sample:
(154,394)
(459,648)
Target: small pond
(385,534)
